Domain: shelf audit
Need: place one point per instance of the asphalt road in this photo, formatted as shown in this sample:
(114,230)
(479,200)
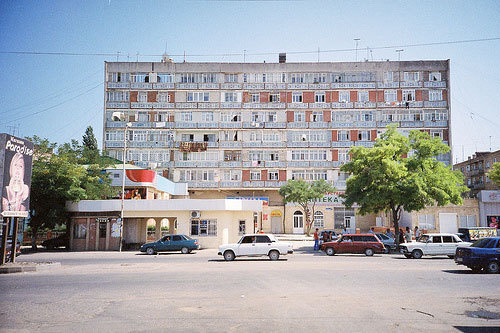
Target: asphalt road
(303,292)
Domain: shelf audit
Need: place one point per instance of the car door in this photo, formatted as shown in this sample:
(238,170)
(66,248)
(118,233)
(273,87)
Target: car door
(358,244)
(262,245)
(344,245)
(436,247)
(449,245)
(176,243)
(163,244)
(246,246)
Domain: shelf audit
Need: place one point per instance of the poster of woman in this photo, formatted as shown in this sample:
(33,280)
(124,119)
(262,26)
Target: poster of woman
(17,159)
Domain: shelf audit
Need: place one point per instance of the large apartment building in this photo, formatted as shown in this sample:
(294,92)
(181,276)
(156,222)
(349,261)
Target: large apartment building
(241,130)
(475,170)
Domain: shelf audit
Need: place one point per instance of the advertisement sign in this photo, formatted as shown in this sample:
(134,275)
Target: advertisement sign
(493,221)
(16,158)
(265,199)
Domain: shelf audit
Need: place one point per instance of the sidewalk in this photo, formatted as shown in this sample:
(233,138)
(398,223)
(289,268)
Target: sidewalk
(20,267)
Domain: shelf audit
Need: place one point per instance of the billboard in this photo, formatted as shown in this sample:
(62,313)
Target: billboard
(16,159)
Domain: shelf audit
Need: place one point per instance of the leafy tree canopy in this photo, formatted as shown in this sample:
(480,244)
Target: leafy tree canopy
(305,194)
(494,173)
(401,173)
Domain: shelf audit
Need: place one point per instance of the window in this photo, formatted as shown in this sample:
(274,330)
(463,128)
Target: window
(297,97)
(257,117)
(271,136)
(230,97)
(117,96)
(410,76)
(143,116)
(317,116)
(80,231)
(467,221)
(367,116)
(437,239)
(299,116)
(363,96)
(232,155)
(197,97)
(434,76)
(207,116)
(118,77)
(297,78)
(390,95)
(364,135)
(142,97)
(344,96)
(165,78)
(248,240)
(140,77)
(256,136)
(262,239)
(448,239)
(255,98)
(230,116)
(408,95)
(242,227)
(273,175)
(319,97)
(231,78)
(163,98)
(437,134)
(388,77)
(209,137)
(344,155)
(435,95)
(426,222)
(271,117)
(186,116)
(204,227)
(343,136)
(319,221)
(231,175)
(274,98)
(255,175)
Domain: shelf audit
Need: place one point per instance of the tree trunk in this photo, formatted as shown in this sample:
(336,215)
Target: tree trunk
(395,221)
(34,232)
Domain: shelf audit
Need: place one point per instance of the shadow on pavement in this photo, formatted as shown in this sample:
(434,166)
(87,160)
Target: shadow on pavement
(459,271)
(246,259)
(478,329)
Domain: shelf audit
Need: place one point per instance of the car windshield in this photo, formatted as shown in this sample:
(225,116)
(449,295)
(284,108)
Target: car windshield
(481,243)
(423,239)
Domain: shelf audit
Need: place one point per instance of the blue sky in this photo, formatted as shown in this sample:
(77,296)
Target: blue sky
(58,96)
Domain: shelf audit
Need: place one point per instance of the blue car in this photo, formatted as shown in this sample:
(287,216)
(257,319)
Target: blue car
(182,243)
(482,254)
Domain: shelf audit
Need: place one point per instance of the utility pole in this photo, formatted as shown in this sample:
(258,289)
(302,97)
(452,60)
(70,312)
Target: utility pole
(399,54)
(356,40)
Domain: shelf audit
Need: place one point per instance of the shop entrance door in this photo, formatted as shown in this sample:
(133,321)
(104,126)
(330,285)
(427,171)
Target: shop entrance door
(276,225)
(298,222)
(350,224)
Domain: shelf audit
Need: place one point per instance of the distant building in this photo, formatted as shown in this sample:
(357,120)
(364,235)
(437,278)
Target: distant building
(241,130)
(476,169)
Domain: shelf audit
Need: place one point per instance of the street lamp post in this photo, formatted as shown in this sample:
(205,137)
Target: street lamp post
(127,125)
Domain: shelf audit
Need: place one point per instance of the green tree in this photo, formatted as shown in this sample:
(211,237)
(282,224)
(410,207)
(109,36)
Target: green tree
(90,150)
(305,194)
(401,173)
(494,173)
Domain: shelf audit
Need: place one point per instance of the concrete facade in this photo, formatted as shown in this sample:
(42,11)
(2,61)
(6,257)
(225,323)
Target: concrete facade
(243,129)
(475,171)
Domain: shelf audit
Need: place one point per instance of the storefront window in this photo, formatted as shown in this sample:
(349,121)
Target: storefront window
(204,227)
(80,231)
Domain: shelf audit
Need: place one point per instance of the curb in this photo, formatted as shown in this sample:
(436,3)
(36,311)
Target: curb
(27,267)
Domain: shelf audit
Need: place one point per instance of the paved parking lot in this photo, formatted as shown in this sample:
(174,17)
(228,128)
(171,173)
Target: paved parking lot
(306,291)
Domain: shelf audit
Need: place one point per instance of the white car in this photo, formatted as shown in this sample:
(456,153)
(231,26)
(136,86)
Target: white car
(256,245)
(433,245)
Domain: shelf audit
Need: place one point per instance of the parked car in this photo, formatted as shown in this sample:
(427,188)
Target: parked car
(182,243)
(354,243)
(59,241)
(256,245)
(433,245)
(482,254)
(389,242)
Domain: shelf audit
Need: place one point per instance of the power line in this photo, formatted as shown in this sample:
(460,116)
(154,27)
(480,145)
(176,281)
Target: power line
(108,54)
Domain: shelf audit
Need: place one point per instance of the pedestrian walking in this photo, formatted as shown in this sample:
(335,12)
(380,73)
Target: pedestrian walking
(417,233)
(408,235)
(316,240)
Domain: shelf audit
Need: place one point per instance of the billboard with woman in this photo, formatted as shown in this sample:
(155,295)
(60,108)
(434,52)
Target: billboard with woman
(16,158)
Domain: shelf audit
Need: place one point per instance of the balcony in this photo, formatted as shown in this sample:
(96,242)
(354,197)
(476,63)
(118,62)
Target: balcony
(273,105)
(367,144)
(319,86)
(349,85)
(253,86)
(163,105)
(411,84)
(388,84)
(208,164)
(275,164)
(253,164)
(275,125)
(342,144)
(319,105)
(435,84)
(435,104)
(185,164)
(436,123)
(274,184)
(230,105)
(338,164)
(117,105)
(230,164)
(113,144)
(339,184)
(412,104)
(141,124)
(298,144)
(478,186)
(319,124)
(319,144)
(140,85)
(412,124)
(150,144)
(275,86)
(300,86)
(365,105)
(342,105)
(338,124)
(235,124)
(205,105)
(115,124)
(229,86)
(253,124)
(202,184)
(164,85)
(253,183)
(298,125)
(252,144)
(208,125)
(118,85)
(320,164)
(298,105)
(141,105)
(208,86)
(365,124)
(187,86)
(230,144)
(298,164)
(271,144)
(185,125)
(186,105)
(230,184)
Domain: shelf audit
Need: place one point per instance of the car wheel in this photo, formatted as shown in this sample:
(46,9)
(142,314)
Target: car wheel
(274,255)
(407,255)
(369,252)
(229,256)
(451,256)
(417,254)
(492,267)
(330,251)
(150,251)
(184,250)
(387,250)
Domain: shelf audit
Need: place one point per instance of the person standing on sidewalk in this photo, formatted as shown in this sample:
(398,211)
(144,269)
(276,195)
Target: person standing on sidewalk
(408,235)
(316,240)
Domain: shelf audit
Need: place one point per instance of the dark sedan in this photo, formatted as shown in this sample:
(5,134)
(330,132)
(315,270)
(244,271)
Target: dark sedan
(59,241)
(182,243)
(482,254)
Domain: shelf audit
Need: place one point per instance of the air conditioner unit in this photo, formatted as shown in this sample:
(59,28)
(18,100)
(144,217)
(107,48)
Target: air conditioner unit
(195,214)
